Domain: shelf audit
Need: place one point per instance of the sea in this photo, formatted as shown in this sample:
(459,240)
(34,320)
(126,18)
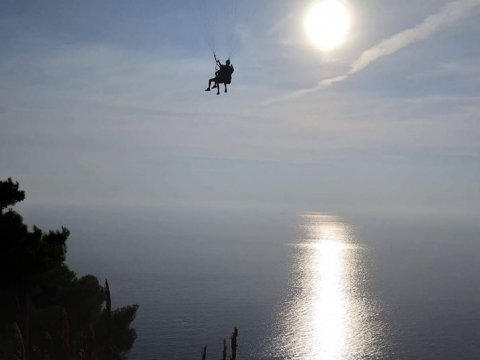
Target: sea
(300,285)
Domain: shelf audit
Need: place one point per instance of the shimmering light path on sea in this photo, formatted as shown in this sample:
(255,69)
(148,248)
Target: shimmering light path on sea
(329,313)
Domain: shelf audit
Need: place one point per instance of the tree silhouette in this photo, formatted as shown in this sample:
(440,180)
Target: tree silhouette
(53,313)
(9,194)
(234,344)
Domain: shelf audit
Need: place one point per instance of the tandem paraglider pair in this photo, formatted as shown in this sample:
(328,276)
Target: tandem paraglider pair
(223,75)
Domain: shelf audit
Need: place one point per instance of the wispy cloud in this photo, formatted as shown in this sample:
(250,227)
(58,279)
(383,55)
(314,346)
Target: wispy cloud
(446,16)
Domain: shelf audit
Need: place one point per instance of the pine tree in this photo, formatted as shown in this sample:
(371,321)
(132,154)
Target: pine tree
(56,309)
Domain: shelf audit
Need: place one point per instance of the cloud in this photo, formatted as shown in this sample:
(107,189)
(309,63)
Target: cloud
(446,16)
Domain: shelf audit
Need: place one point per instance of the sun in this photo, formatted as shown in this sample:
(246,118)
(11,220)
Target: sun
(327,24)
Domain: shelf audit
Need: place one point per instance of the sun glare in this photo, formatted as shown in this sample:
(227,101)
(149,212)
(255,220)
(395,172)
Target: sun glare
(327,24)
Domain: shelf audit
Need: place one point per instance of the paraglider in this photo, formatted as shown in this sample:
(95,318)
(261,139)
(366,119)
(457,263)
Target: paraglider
(220,24)
(223,75)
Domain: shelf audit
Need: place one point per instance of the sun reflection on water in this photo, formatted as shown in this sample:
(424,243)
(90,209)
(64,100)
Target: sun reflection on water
(328,314)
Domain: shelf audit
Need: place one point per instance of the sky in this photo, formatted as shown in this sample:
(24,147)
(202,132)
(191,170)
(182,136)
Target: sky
(103,104)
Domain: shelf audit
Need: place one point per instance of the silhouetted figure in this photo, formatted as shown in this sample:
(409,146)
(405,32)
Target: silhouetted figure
(222,76)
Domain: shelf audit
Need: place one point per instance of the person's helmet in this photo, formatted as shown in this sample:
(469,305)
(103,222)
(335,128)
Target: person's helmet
(227,62)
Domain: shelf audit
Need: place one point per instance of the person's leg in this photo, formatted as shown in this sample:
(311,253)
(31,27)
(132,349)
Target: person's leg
(225,87)
(209,83)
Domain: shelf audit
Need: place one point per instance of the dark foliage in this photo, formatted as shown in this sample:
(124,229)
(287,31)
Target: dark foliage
(224,354)
(234,344)
(10,194)
(46,311)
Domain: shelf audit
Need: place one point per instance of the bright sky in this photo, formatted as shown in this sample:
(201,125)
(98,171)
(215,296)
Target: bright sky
(103,103)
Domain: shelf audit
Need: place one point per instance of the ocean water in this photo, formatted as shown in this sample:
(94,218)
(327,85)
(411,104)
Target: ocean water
(299,285)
